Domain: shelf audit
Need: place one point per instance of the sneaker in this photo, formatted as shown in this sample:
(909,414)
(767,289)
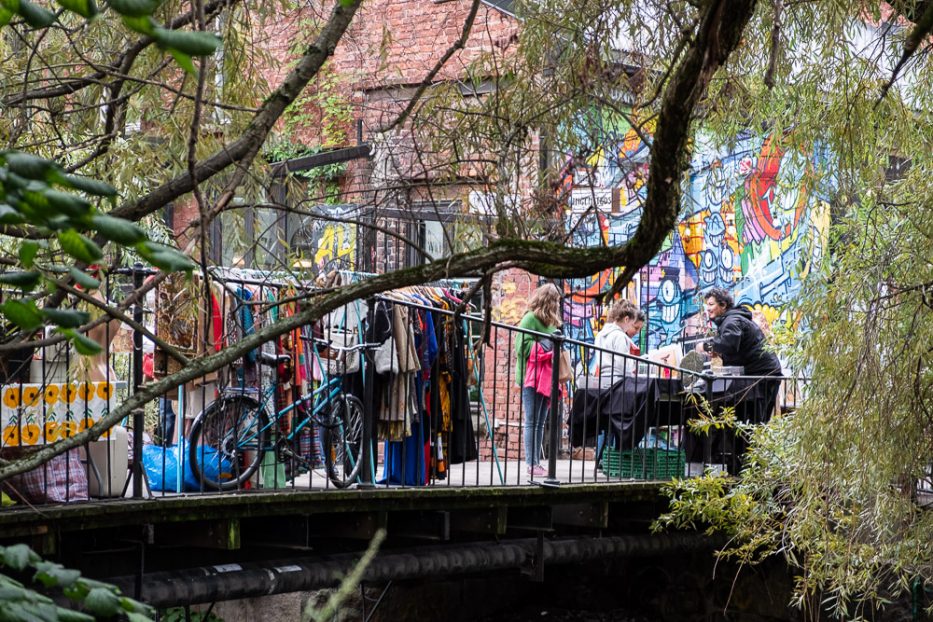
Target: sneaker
(537,471)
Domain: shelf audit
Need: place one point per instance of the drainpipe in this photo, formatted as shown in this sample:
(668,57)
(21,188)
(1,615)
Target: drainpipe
(248,580)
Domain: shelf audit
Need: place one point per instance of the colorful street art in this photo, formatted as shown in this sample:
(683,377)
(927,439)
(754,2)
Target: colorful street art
(326,243)
(754,220)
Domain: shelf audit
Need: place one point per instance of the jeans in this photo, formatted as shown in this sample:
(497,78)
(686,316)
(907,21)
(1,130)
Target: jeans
(536,411)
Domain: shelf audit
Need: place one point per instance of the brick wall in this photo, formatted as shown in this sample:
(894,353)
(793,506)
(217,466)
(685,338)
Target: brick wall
(510,293)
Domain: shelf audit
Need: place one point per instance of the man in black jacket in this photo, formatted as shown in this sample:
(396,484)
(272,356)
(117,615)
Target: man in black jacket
(738,341)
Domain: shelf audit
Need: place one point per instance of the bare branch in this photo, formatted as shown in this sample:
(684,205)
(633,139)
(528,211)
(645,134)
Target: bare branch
(778,10)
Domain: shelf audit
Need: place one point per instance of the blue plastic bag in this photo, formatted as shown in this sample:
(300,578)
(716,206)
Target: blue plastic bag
(161,466)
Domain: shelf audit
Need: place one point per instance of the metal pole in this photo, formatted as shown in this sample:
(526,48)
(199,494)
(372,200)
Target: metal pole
(708,443)
(138,414)
(557,340)
(367,447)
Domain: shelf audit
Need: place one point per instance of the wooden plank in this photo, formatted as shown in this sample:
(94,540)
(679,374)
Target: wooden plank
(304,163)
(428,525)
(221,534)
(534,518)
(350,525)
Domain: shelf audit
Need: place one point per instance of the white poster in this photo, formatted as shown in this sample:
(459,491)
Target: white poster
(582,199)
(36,414)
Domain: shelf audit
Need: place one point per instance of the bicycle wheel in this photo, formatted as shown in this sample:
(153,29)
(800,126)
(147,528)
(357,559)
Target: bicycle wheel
(227,442)
(343,440)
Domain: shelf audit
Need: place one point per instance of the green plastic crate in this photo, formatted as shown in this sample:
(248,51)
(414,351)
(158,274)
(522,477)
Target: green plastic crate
(643,463)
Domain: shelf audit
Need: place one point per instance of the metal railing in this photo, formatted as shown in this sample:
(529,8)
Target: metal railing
(450,415)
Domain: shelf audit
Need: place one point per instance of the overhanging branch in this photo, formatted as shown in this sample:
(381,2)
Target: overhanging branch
(546,258)
(720,29)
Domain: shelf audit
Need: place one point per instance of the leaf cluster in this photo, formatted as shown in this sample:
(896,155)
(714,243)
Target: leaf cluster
(98,601)
(58,206)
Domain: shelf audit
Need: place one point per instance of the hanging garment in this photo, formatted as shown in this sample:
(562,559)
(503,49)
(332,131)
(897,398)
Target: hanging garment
(405,460)
(462,445)
(400,408)
(177,312)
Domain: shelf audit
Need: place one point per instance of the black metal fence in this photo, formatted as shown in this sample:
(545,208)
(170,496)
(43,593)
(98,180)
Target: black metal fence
(408,389)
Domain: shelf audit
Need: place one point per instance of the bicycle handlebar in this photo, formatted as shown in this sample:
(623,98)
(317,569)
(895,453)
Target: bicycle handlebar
(328,343)
(273,360)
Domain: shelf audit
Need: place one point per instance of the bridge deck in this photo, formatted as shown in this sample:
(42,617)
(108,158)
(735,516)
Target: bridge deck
(469,485)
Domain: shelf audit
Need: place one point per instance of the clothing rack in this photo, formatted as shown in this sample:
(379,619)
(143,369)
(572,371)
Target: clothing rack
(463,318)
(355,276)
(256,277)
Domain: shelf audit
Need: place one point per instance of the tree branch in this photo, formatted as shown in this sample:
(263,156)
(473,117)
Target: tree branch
(124,60)
(429,79)
(549,259)
(243,148)
(721,25)
(922,29)
(778,9)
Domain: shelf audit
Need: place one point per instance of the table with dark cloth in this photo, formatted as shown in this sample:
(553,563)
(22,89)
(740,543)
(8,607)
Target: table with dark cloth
(625,410)
(753,400)
(630,407)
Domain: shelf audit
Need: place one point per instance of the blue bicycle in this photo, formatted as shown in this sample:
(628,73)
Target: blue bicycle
(232,434)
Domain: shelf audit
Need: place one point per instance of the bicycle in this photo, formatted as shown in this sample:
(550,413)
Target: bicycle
(232,433)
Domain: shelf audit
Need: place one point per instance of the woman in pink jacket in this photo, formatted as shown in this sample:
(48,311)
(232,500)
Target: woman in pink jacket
(533,369)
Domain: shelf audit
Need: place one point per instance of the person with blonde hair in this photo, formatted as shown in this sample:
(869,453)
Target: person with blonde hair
(544,317)
(623,321)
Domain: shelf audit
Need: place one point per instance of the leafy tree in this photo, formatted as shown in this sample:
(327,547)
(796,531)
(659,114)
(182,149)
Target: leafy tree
(226,163)
(831,487)
(99,601)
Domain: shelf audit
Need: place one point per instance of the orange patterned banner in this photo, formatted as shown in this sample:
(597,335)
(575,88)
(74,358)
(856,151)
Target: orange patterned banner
(36,414)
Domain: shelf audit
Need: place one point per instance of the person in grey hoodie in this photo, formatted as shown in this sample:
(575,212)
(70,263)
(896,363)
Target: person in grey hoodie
(623,322)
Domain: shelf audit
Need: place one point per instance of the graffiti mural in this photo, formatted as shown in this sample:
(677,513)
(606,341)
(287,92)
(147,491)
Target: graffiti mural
(754,220)
(326,244)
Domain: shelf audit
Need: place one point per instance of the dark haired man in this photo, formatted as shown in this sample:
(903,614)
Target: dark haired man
(738,339)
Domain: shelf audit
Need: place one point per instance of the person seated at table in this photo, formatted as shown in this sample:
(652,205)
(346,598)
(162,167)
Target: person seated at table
(623,322)
(738,340)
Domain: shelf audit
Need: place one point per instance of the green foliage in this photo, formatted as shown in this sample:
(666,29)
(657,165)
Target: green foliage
(38,193)
(182,44)
(134,8)
(84,8)
(19,603)
(833,488)
(136,16)
(348,586)
(118,230)
(321,182)
(709,419)
(178,614)
(318,120)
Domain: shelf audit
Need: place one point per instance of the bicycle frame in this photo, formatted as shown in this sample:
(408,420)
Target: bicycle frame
(320,397)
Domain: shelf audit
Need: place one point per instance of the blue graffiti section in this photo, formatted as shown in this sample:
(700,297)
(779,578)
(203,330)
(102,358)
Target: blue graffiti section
(754,220)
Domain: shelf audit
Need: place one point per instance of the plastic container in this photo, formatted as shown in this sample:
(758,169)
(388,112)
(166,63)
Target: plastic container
(648,463)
